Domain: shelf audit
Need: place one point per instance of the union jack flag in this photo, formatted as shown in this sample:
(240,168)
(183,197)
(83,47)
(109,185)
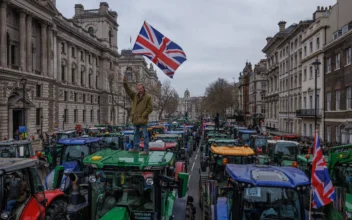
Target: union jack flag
(166,54)
(323,190)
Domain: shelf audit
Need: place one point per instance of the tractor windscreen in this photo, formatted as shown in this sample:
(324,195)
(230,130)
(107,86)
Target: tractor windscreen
(134,190)
(168,139)
(258,142)
(264,203)
(15,151)
(75,152)
(245,137)
(109,140)
(286,150)
(60,136)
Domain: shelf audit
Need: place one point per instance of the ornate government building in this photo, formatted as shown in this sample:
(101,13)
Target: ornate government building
(57,72)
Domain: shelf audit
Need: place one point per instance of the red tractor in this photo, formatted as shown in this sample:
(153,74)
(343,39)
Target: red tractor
(22,194)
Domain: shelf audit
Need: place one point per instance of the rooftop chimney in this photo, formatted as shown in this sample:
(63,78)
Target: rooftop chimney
(282,25)
(79,9)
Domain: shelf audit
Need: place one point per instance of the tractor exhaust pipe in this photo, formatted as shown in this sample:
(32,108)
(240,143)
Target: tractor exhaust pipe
(75,195)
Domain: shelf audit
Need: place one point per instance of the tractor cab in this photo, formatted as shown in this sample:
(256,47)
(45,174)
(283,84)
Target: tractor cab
(16,149)
(259,144)
(260,192)
(65,134)
(284,153)
(126,185)
(172,142)
(112,140)
(74,150)
(245,136)
(22,194)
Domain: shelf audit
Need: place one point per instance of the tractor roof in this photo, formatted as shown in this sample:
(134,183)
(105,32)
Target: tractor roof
(13,142)
(239,151)
(285,141)
(168,135)
(65,132)
(79,141)
(13,164)
(175,132)
(248,131)
(127,132)
(121,158)
(267,176)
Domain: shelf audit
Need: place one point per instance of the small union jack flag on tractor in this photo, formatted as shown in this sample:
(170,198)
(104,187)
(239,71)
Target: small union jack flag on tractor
(166,54)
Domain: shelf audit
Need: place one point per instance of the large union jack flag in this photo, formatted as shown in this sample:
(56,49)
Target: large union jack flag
(166,54)
(323,190)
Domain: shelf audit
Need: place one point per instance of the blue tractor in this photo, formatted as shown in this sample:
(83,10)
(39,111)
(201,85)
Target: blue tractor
(257,192)
(70,159)
(245,136)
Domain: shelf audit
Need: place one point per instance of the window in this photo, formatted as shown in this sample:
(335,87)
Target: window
(337,100)
(96,62)
(304,130)
(310,72)
(91,98)
(328,63)
(82,56)
(90,80)
(62,47)
(73,52)
(91,31)
(337,61)
(98,99)
(75,115)
(65,95)
(311,102)
(65,115)
(328,133)
(75,96)
(348,98)
(96,81)
(91,115)
(38,115)
(90,59)
(39,90)
(291,46)
(98,115)
(305,102)
(110,37)
(305,74)
(82,78)
(84,98)
(337,134)
(318,43)
(73,75)
(328,101)
(348,56)
(305,51)
(62,73)
(310,130)
(13,54)
(84,115)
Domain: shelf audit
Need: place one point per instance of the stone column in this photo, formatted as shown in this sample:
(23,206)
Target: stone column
(29,44)
(78,70)
(43,57)
(58,50)
(22,33)
(50,51)
(69,68)
(3,33)
(87,70)
(94,72)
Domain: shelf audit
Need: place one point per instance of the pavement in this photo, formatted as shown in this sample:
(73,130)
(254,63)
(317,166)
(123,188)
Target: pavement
(194,166)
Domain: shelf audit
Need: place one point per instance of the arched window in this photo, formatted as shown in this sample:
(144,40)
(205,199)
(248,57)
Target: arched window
(91,31)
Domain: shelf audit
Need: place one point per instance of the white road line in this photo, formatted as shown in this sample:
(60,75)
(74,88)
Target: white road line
(189,179)
(192,167)
(196,157)
(198,150)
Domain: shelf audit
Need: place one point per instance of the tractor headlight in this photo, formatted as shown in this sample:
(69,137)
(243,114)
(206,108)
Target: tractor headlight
(92,179)
(149,181)
(5,215)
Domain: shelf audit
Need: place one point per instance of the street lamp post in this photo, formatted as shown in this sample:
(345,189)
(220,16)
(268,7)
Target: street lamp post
(316,65)
(24,82)
(63,121)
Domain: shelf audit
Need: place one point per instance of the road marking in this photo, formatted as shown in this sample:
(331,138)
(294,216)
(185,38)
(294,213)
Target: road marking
(192,167)
(198,150)
(189,179)
(196,157)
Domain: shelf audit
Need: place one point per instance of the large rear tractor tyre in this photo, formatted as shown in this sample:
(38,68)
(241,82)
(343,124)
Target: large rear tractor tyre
(57,210)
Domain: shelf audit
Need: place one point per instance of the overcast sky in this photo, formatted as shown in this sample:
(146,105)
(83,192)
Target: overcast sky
(218,36)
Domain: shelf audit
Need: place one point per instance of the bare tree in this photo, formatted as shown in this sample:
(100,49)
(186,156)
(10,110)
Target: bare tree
(164,98)
(219,96)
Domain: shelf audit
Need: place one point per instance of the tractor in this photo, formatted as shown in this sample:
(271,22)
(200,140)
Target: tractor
(125,185)
(257,192)
(22,194)
(16,149)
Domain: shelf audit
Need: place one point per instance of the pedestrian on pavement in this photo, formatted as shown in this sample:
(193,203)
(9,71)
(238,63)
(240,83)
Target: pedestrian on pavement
(217,122)
(141,108)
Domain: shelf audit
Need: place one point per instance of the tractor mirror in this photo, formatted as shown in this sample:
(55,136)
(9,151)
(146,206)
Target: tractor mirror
(182,184)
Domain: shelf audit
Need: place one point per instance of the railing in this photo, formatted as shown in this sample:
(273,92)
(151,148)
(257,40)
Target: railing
(308,112)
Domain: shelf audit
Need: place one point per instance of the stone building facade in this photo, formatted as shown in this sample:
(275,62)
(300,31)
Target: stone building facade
(290,78)
(65,65)
(272,75)
(243,93)
(190,105)
(257,89)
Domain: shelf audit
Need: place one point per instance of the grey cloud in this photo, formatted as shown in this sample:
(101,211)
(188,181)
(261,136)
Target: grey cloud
(217,36)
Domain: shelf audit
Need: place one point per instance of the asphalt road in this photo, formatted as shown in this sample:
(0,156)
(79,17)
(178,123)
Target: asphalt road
(193,170)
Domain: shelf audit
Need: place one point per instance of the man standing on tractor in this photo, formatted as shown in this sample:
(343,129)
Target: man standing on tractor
(217,122)
(141,108)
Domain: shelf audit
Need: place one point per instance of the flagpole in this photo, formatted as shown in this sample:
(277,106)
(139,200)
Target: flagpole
(310,204)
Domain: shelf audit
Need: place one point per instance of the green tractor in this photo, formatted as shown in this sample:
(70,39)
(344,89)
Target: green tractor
(112,140)
(125,185)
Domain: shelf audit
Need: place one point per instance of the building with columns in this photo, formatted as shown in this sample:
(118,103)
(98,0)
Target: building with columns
(190,105)
(54,71)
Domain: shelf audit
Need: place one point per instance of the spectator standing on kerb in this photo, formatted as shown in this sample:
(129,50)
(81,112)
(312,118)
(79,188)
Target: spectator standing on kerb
(141,108)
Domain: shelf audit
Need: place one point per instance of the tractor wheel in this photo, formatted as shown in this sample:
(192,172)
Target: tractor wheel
(57,210)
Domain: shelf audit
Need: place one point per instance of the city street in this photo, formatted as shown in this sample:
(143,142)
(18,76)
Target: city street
(194,165)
